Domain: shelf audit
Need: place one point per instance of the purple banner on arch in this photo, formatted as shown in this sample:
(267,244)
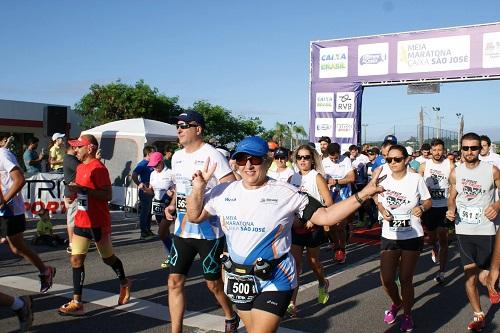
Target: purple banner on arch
(336,112)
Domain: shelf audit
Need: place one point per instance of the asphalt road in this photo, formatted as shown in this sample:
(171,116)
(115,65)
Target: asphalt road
(357,301)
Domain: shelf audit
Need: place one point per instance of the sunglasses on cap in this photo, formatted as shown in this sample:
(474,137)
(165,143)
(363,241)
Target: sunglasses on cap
(185,125)
(395,159)
(473,148)
(242,159)
(303,157)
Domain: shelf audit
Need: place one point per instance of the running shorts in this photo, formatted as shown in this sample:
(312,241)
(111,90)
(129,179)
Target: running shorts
(12,225)
(184,251)
(476,249)
(436,217)
(310,239)
(275,302)
(412,244)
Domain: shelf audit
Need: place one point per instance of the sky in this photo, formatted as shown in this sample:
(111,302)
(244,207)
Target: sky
(251,57)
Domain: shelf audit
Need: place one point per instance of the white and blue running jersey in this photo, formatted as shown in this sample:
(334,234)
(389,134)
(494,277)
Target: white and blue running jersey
(257,224)
(184,165)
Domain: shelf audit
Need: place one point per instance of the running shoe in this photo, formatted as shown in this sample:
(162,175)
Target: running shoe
(232,324)
(25,314)
(477,324)
(339,256)
(495,298)
(323,295)
(146,235)
(124,292)
(291,310)
(406,324)
(439,277)
(390,315)
(435,253)
(47,279)
(72,308)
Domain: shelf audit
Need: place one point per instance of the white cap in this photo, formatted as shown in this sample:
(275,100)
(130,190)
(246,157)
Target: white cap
(409,150)
(56,136)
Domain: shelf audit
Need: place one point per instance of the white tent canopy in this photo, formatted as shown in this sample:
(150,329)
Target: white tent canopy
(121,143)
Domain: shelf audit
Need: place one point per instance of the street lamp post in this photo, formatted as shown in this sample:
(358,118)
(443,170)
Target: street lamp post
(290,125)
(438,120)
(459,129)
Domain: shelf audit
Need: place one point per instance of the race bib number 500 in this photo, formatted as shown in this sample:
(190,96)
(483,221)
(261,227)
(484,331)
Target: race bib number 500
(240,288)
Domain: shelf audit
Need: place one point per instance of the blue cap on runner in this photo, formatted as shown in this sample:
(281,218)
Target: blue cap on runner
(252,145)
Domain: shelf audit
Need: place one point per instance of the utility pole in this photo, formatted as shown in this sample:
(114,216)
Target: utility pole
(290,125)
(460,128)
(421,127)
(364,131)
(438,121)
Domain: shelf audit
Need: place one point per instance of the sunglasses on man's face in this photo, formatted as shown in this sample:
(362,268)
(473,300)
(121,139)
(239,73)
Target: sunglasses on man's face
(185,125)
(303,157)
(473,148)
(241,160)
(395,159)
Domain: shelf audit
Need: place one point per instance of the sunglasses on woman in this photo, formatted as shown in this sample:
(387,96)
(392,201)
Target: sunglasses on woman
(242,159)
(395,159)
(303,157)
(473,148)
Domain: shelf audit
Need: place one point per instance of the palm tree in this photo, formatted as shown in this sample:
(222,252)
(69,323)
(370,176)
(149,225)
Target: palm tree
(299,132)
(281,133)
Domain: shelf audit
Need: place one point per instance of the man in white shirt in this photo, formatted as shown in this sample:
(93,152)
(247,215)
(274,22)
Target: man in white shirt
(486,154)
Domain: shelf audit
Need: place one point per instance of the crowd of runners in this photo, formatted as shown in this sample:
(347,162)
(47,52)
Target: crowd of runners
(249,214)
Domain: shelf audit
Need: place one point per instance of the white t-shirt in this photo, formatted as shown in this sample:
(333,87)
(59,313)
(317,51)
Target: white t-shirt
(7,163)
(281,176)
(399,198)
(337,170)
(257,223)
(184,166)
(307,183)
(161,182)
(421,159)
(492,158)
(436,178)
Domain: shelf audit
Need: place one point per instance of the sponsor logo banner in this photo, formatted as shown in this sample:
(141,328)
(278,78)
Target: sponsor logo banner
(345,102)
(344,127)
(44,190)
(491,50)
(373,59)
(333,62)
(434,54)
(324,102)
(323,127)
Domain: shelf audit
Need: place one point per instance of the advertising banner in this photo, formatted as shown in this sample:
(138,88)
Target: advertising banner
(44,190)
(335,110)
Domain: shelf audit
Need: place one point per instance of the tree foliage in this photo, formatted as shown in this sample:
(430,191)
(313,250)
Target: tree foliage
(223,127)
(116,101)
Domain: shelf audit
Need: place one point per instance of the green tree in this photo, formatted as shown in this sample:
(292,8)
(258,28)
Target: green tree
(224,128)
(117,100)
(299,134)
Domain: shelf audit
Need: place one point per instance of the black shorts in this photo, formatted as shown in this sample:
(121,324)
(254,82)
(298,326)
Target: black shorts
(275,302)
(436,217)
(89,233)
(12,225)
(184,251)
(475,249)
(310,239)
(412,244)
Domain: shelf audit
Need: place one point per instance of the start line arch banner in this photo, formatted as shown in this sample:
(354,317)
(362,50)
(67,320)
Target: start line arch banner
(340,68)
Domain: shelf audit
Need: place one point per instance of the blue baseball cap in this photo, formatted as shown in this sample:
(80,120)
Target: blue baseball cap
(192,116)
(391,138)
(251,145)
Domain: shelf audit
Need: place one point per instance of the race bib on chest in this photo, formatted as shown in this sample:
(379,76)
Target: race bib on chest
(82,201)
(240,288)
(400,223)
(157,207)
(470,214)
(437,194)
(181,203)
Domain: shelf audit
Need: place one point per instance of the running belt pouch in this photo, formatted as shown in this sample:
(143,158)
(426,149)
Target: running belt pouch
(310,209)
(240,269)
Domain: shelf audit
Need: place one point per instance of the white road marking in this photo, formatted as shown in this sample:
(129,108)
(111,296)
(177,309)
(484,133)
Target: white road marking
(205,321)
